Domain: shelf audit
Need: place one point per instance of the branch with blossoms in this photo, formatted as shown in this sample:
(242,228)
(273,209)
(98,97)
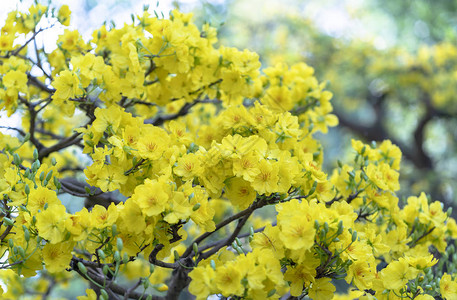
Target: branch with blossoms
(177,148)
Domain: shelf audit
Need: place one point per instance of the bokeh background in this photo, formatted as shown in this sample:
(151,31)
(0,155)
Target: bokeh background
(391,65)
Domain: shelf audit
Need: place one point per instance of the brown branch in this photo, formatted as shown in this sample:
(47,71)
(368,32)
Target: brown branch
(114,287)
(222,224)
(229,240)
(67,142)
(34,81)
(153,258)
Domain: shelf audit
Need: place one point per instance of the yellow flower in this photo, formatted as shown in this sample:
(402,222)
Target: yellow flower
(322,289)
(91,295)
(79,224)
(64,15)
(300,275)
(228,280)
(189,166)
(15,80)
(202,284)
(67,86)
(102,217)
(240,192)
(298,233)
(51,223)
(397,274)
(6,42)
(180,208)
(247,166)
(39,197)
(151,197)
(153,143)
(110,178)
(267,179)
(448,287)
(57,256)
(361,274)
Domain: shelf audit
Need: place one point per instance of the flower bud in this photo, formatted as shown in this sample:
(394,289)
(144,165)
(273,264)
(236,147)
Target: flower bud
(82,267)
(119,244)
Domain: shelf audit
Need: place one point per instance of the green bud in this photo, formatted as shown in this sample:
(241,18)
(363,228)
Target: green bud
(15,251)
(27,173)
(146,283)
(326,227)
(82,267)
(57,183)
(125,258)
(42,176)
(176,255)
(48,176)
(195,246)
(35,166)
(114,229)
(26,234)
(336,240)
(26,137)
(449,211)
(340,228)
(16,159)
(340,164)
(8,221)
(238,242)
(45,206)
(196,206)
(239,250)
(35,154)
(119,244)
(10,243)
(313,188)
(101,254)
(87,189)
(27,189)
(191,196)
(103,295)
(213,265)
(21,251)
(89,143)
(251,231)
(53,161)
(271,293)
(151,268)
(354,236)
(316,224)
(105,270)
(45,182)
(117,256)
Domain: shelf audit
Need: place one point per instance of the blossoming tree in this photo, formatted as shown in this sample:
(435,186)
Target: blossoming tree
(204,178)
